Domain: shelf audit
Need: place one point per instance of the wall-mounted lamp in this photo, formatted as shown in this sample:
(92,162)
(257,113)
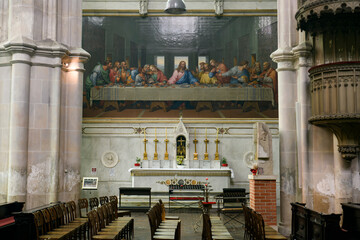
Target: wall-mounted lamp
(175,7)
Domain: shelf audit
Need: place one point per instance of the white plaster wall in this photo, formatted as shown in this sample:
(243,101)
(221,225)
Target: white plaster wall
(106,135)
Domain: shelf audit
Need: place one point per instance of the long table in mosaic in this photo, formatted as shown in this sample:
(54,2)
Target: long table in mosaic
(179,93)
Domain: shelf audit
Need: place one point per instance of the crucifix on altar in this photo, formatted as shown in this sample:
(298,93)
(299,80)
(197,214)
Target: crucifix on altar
(181,144)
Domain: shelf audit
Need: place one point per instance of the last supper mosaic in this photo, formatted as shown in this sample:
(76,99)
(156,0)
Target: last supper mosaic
(197,67)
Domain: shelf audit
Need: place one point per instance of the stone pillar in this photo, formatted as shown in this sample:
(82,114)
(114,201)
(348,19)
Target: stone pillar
(302,53)
(263,197)
(19,118)
(70,126)
(287,88)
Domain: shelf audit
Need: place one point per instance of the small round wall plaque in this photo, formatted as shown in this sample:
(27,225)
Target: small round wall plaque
(109,159)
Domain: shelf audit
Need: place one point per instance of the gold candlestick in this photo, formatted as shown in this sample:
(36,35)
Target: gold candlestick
(217,141)
(195,142)
(145,154)
(145,140)
(206,154)
(166,152)
(195,153)
(156,154)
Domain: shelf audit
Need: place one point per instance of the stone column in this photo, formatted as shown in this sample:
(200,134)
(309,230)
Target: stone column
(287,90)
(302,53)
(19,117)
(70,126)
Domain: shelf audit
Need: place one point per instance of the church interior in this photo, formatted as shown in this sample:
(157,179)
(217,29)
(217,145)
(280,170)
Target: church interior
(172,119)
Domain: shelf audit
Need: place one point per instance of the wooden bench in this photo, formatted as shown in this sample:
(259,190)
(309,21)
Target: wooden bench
(163,229)
(255,228)
(214,229)
(58,222)
(104,226)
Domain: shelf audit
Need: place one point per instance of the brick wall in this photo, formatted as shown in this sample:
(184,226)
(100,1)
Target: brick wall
(263,197)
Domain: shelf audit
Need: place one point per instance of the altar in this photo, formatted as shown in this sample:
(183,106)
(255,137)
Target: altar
(159,178)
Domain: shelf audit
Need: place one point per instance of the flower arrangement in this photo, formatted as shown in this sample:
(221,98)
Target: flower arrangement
(224,162)
(254,168)
(180,160)
(138,162)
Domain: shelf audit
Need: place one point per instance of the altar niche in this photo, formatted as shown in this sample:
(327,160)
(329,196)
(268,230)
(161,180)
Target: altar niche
(181,146)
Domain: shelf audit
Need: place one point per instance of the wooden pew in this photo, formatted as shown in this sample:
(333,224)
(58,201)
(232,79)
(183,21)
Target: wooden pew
(7,220)
(214,229)
(163,229)
(256,228)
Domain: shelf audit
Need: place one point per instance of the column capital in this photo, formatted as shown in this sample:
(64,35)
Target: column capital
(303,52)
(75,60)
(285,59)
(20,45)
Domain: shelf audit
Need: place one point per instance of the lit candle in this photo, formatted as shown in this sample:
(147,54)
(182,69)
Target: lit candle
(144,133)
(166,133)
(155,132)
(195,132)
(217,133)
(205,132)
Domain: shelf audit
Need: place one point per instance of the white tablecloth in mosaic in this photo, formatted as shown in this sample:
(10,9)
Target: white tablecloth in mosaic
(116,93)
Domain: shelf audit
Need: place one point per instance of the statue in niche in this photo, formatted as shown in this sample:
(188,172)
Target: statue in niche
(219,7)
(181,146)
(143,7)
(264,148)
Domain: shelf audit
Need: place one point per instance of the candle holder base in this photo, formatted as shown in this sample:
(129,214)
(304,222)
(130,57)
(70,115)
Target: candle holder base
(206,156)
(217,156)
(166,157)
(155,156)
(145,156)
(195,156)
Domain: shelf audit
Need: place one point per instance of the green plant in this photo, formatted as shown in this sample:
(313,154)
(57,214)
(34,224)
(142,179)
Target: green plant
(180,160)
(223,160)
(138,160)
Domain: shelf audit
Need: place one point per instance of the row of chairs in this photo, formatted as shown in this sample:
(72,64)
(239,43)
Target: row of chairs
(162,227)
(94,204)
(256,229)
(104,224)
(59,222)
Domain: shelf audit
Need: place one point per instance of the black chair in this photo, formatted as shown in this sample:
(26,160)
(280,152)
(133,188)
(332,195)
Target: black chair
(233,198)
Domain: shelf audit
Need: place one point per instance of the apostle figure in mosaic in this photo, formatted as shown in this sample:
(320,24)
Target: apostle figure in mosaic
(98,77)
(125,74)
(268,78)
(157,75)
(255,71)
(182,75)
(219,68)
(199,72)
(239,74)
(143,78)
(208,77)
(113,75)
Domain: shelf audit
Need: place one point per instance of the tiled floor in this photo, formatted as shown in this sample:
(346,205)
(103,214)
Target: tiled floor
(188,222)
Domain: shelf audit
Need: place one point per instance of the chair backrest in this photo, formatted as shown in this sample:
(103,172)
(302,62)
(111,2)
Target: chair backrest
(234,197)
(152,221)
(104,200)
(94,203)
(92,223)
(206,233)
(259,226)
(83,207)
(39,224)
(47,220)
(72,210)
